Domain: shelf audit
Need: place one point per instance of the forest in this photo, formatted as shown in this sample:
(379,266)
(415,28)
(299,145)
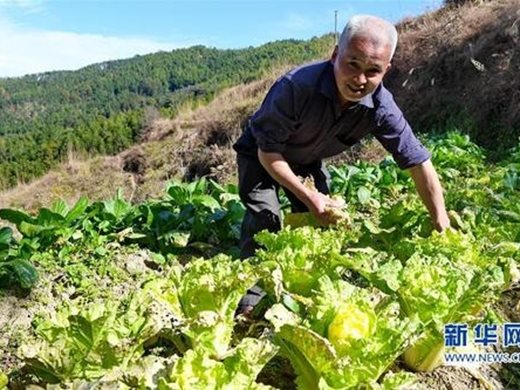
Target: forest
(102,108)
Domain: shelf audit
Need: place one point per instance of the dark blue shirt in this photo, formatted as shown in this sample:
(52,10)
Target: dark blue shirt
(301,118)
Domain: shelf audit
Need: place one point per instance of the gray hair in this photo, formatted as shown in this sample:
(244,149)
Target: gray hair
(381,31)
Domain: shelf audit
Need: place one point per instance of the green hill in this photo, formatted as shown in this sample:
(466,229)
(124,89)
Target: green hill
(102,108)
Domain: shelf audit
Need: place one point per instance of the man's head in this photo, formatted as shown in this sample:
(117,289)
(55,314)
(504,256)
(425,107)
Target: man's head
(362,56)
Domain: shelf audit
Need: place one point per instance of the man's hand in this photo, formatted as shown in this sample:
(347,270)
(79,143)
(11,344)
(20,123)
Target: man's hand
(442,223)
(430,190)
(317,204)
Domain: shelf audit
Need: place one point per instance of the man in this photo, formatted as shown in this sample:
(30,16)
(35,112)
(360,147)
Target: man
(317,111)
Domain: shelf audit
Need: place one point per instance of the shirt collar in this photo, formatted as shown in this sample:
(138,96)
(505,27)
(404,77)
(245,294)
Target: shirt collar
(329,89)
(368,101)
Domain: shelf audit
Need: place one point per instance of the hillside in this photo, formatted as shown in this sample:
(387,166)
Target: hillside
(431,87)
(101,109)
(197,142)
(458,67)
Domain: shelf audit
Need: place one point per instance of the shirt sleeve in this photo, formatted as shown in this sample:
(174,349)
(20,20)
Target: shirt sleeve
(276,119)
(397,137)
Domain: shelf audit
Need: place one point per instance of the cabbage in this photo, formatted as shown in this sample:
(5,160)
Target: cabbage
(426,354)
(443,279)
(352,322)
(204,296)
(346,338)
(4,380)
(238,370)
(335,216)
(303,255)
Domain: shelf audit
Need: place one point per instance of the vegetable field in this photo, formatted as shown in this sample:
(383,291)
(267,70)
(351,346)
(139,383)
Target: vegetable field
(113,295)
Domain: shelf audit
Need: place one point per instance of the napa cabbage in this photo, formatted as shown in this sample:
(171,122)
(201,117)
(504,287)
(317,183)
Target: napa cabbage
(330,349)
(302,255)
(351,322)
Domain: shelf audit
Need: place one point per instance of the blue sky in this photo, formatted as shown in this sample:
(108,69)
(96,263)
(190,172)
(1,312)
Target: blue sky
(41,35)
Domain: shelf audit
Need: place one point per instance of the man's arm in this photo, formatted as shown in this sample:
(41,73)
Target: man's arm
(430,190)
(276,165)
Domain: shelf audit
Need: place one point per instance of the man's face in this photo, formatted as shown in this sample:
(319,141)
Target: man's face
(360,68)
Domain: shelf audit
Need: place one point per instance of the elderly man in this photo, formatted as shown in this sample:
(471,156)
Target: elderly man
(317,111)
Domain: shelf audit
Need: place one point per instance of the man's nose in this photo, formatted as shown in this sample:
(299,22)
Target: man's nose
(361,78)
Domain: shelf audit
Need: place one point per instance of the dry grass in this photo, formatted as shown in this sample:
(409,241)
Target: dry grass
(462,61)
(98,179)
(198,142)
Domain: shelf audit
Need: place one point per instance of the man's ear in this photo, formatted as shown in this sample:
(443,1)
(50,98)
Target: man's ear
(388,67)
(334,54)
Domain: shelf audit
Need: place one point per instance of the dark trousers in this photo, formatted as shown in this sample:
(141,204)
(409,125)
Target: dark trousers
(259,194)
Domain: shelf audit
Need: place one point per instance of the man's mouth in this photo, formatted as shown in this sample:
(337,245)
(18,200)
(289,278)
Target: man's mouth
(356,90)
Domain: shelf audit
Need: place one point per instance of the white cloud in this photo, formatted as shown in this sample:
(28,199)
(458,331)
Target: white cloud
(296,22)
(24,51)
(320,23)
(28,6)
